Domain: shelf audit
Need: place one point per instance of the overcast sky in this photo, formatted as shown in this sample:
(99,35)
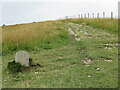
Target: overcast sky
(25,11)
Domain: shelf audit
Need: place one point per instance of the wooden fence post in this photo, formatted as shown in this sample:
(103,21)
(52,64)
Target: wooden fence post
(111,15)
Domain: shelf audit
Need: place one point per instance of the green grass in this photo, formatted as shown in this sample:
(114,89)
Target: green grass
(110,25)
(62,66)
(32,37)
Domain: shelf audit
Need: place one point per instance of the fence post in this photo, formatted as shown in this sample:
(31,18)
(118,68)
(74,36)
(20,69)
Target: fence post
(85,15)
(103,14)
(66,17)
(92,15)
(111,15)
(97,15)
(78,16)
(88,15)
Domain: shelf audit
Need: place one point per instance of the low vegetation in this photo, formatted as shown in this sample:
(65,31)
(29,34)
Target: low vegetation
(60,55)
(109,25)
(33,36)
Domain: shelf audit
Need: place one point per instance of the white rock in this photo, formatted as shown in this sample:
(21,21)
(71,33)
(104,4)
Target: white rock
(97,69)
(86,61)
(36,72)
(89,75)
(75,35)
(85,33)
(105,47)
(77,39)
(81,31)
(22,57)
(71,32)
(87,65)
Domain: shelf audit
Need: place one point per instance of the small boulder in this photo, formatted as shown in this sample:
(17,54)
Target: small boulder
(22,57)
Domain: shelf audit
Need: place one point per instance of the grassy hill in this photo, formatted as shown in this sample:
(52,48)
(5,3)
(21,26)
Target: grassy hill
(60,55)
(33,36)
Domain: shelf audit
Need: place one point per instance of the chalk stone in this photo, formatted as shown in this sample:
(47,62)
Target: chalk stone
(22,57)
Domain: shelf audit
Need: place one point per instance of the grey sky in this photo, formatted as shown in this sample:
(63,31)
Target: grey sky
(15,12)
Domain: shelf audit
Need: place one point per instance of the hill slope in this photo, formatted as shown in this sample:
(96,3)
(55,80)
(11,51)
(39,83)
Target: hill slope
(61,56)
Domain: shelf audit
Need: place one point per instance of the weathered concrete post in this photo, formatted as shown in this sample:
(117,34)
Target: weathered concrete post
(103,14)
(88,15)
(78,15)
(92,15)
(111,15)
(85,15)
(97,15)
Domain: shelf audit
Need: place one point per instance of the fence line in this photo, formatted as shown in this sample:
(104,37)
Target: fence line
(91,15)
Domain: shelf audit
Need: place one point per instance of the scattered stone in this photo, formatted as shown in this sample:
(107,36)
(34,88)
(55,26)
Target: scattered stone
(105,47)
(71,32)
(39,72)
(87,65)
(22,57)
(108,60)
(77,39)
(97,69)
(75,35)
(85,33)
(108,48)
(36,72)
(86,61)
(89,75)
(81,31)
(28,85)
(117,44)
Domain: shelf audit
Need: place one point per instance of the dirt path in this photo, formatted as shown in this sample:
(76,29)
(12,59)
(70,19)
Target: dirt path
(86,32)
(72,32)
(92,36)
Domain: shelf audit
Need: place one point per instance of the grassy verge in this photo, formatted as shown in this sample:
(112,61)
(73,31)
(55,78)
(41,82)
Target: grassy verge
(32,37)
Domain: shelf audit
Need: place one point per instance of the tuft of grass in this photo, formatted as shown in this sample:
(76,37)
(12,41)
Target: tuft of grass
(14,67)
